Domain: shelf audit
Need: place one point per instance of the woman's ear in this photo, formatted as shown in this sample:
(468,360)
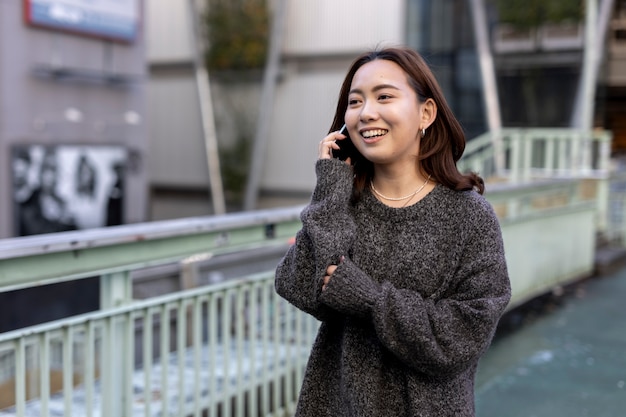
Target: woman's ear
(429,113)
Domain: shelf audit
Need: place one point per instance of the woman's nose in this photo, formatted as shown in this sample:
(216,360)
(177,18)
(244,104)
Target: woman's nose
(368,111)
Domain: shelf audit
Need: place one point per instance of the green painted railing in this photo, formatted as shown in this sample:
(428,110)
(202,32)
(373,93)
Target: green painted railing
(235,348)
(521,155)
(527,155)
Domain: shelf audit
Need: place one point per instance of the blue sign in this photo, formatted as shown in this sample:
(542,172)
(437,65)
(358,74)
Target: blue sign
(112,19)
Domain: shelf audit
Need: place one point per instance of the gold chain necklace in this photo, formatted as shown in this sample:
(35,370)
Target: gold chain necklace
(399,198)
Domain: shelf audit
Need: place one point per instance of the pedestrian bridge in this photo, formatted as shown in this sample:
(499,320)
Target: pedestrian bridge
(234,348)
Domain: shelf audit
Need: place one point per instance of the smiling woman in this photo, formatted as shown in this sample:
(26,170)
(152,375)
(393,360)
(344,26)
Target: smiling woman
(385,117)
(399,256)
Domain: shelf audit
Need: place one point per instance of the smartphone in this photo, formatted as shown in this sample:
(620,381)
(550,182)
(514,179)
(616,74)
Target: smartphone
(346,147)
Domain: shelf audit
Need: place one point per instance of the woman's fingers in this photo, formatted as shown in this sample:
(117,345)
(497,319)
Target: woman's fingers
(328,144)
(329,272)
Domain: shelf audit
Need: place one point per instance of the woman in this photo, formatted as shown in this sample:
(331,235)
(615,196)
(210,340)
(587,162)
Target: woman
(399,256)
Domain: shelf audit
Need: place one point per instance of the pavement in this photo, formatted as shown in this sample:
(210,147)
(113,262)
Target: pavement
(561,355)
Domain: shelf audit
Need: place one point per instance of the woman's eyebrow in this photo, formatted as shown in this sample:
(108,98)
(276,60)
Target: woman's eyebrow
(376,88)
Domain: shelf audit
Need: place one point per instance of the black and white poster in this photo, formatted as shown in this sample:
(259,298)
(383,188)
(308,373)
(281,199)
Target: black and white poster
(67,187)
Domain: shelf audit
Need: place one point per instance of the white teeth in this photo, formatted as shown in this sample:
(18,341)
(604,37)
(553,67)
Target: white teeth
(373,133)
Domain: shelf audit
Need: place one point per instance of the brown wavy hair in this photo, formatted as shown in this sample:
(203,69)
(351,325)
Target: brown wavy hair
(444,142)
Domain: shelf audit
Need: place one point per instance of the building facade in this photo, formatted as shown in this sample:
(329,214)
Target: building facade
(538,75)
(72,115)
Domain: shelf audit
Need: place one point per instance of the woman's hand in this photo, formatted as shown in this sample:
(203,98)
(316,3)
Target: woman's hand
(329,271)
(329,143)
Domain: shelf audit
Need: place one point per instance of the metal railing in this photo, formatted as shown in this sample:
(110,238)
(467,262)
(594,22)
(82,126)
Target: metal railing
(521,155)
(527,155)
(233,348)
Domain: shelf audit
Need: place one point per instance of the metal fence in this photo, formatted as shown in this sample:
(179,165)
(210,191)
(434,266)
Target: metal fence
(232,349)
(528,155)
(520,155)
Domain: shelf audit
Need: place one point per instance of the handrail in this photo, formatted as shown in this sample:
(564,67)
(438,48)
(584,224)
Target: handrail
(37,260)
(528,155)
(185,353)
(149,231)
(540,152)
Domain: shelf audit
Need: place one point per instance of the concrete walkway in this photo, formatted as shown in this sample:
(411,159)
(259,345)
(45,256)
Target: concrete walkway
(568,359)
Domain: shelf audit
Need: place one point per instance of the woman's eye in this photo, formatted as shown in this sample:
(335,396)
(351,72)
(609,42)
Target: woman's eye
(353,101)
(384,97)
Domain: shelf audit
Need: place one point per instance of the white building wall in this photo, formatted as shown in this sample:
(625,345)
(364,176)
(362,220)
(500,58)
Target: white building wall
(168,30)
(303,112)
(322,38)
(177,151)
(334,27)
(177,157)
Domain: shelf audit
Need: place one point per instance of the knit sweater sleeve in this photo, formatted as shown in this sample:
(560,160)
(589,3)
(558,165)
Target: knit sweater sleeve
(447,332)
(327,234)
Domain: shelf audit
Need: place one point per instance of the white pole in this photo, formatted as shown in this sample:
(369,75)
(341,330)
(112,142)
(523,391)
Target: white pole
(488,77)
(588,74)
(606,7)
(270,76)
(203,87)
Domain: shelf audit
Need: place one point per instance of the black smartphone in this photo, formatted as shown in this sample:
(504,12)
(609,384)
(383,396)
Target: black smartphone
(346,147)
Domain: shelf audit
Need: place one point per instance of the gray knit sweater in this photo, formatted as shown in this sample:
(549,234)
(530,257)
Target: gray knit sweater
(410,310)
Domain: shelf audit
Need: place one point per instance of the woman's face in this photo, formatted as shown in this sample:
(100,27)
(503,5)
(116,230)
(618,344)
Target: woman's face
(384,116)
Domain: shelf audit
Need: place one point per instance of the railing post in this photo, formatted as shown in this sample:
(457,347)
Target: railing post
(605,139)
(576,154)
(498,152)
(68,369)
(20,376)
(515,156)
(548,163)
(561,156)
(586,143)
(603,194)
(528,142)
(602,201)
(115,290)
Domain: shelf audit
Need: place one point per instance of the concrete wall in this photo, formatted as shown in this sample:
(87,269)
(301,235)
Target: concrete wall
(177,157)
(321,38)
(323,27)
(79,108)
